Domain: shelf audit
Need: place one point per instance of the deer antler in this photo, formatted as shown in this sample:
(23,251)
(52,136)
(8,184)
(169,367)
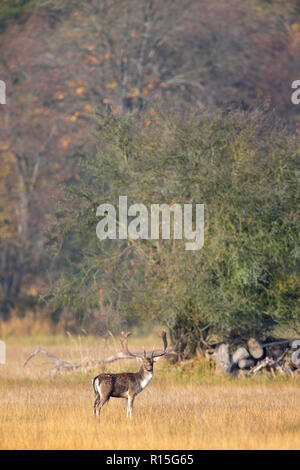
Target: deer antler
(163,335)
(124,343)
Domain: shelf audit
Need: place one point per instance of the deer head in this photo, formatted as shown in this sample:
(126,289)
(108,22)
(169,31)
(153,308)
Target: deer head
(147,361)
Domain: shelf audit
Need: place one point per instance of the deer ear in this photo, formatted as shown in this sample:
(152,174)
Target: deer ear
(139,359)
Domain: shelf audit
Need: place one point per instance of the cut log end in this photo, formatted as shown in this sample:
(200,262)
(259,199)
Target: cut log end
(255,348)
(239,354)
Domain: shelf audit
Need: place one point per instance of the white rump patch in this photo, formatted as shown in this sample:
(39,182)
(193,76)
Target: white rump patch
(97,386)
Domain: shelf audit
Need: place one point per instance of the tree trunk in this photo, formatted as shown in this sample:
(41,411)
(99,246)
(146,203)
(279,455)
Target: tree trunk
(12,269)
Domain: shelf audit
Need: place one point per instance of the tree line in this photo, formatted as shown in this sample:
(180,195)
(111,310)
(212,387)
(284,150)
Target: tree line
(168,101)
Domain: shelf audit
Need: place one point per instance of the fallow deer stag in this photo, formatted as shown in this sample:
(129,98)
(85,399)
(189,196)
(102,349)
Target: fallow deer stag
(127,384)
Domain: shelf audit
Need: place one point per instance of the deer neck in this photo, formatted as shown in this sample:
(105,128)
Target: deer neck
(145,377)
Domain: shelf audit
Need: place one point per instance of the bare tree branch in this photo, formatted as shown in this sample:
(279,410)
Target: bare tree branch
(61,365)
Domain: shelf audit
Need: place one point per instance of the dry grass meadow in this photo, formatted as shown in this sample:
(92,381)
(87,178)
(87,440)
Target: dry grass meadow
(185,407)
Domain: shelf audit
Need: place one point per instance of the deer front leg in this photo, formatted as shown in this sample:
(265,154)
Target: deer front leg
(130,401)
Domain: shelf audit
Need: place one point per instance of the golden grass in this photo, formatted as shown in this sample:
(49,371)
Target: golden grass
(39,412)
(31,324)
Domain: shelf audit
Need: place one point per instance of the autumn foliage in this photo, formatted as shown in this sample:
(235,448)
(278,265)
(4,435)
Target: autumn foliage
(66,61)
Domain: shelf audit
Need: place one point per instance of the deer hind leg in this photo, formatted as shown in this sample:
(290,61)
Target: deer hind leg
(130,401)
(96,403)
(102,393)
(101,403)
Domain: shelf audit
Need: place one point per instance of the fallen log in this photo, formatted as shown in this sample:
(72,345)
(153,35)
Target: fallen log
(239,354)
(246,363)
(255,348)
(223,358)
(278,343)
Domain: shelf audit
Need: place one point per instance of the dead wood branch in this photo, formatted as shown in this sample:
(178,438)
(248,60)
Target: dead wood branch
(60,365)
(272,365)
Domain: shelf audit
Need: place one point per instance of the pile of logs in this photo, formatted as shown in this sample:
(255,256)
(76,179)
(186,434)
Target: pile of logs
(280,356)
